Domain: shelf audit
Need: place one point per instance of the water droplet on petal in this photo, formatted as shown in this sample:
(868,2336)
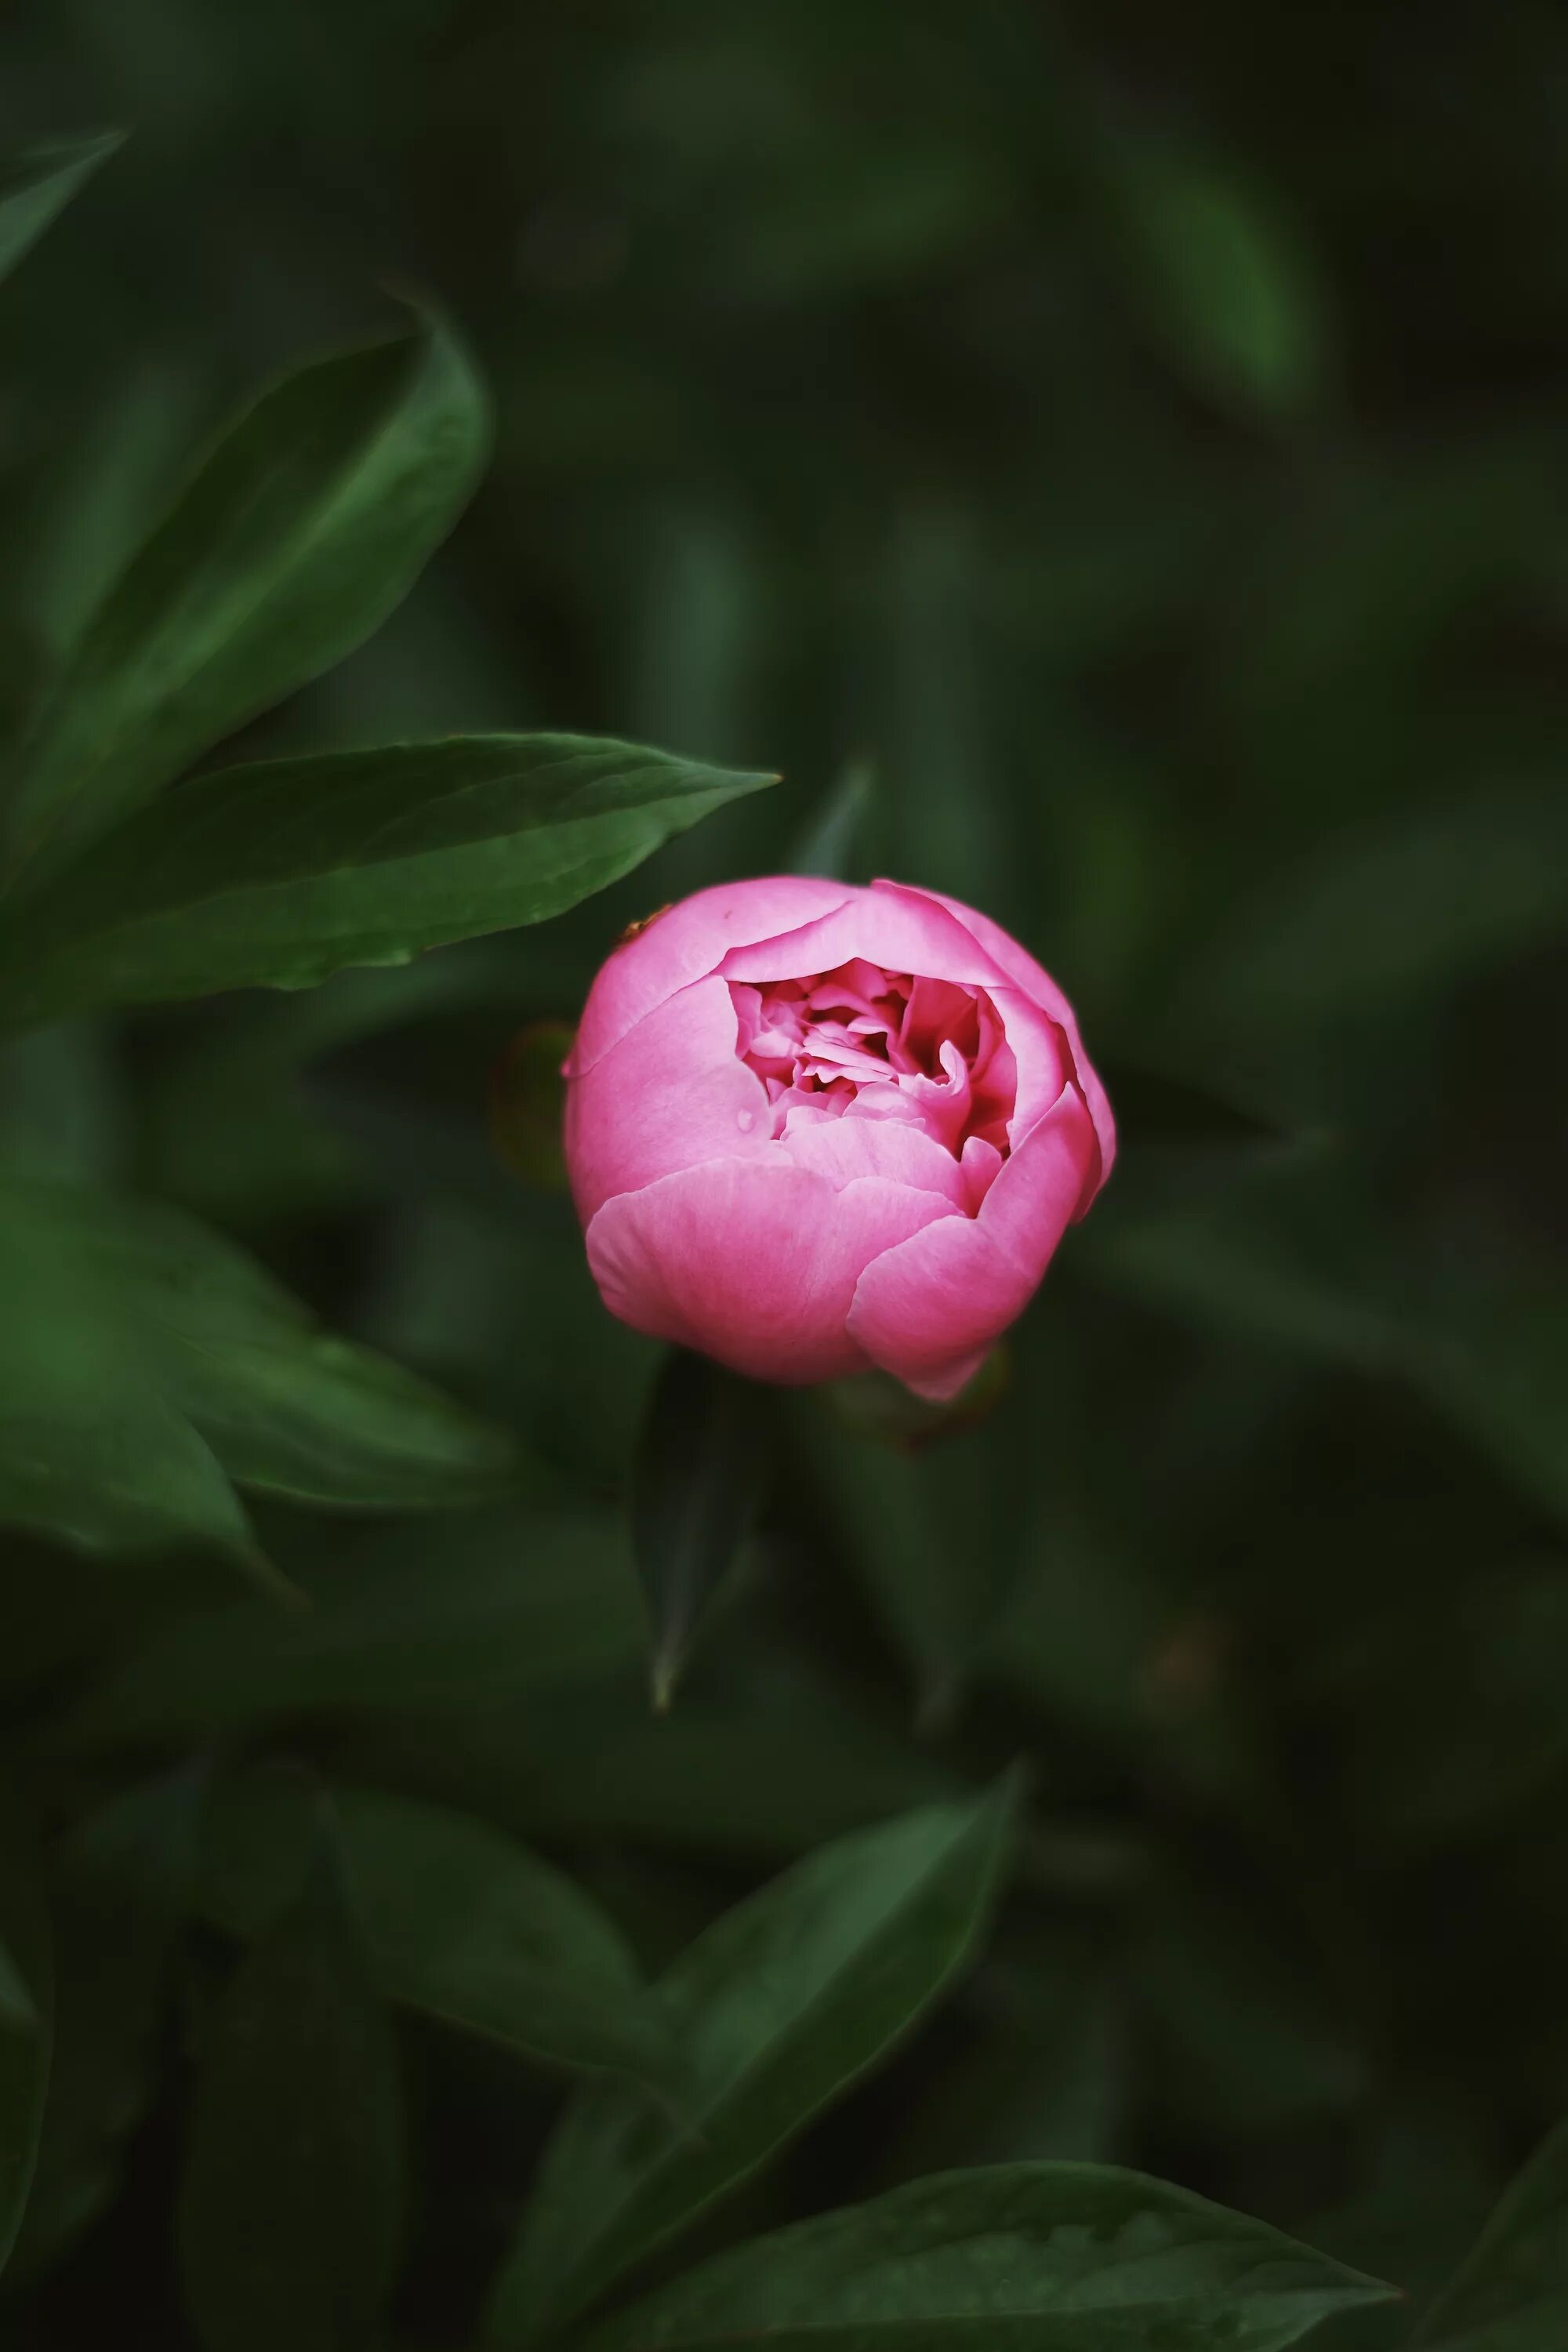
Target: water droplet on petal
(745,1120)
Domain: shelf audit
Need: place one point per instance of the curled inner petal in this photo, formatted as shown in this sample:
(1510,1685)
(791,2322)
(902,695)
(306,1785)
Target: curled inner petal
(862,1042)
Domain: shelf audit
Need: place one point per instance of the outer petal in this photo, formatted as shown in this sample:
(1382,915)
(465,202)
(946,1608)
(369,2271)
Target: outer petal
(928,1309)
(687,942)
(753,1261)
(672,1092)
(1035,981)
(902,930)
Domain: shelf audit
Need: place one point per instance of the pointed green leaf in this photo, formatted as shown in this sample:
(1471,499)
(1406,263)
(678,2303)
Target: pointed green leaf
(1511,2292)
(91,1448)
(38,182)
(461,1922)
(702,1460)
(299,532)
(291,2205)
(275,876)
(1039,2257)
(779,2007)
(24,2038)
(183,1356)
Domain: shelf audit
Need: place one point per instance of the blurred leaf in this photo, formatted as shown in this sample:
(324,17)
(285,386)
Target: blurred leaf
(120,1883)
(63,1105)
(701,1469)
(1049,2257)
(779,2007)
(800,1758)
(1511,2294)
(1389,910)
(1496,1366)
(110,486)
(92,1448)
(831,844)
(36,183)
(300,530)
(17,2014)
(516,1604)
(291,2205)
(1231,289)
(25,2039)
(222,1351)
(279,875)
(461,1922)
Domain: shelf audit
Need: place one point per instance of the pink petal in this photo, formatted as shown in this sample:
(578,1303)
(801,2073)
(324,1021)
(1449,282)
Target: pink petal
(844,1148)
(928,1307)
(687,942)
(1037,1047)
(753,1261)
(1021,968)
(672,1091)
(982,1164)
(902,931)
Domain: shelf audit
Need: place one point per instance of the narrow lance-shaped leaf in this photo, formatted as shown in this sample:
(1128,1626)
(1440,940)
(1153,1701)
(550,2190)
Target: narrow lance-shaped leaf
(36,183)
(26,2031)
(1041,2257)
(702,1464)
(279,875)
(1511,2294)
(292,2200)
(300,532)
(779,2007)
(461,1922)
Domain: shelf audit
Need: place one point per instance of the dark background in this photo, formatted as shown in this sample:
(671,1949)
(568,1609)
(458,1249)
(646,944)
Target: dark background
(1139,434)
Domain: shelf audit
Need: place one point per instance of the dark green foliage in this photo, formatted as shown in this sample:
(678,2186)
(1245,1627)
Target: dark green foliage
(698,1485)
(290,2203)
(1111,462)
(1047,2257)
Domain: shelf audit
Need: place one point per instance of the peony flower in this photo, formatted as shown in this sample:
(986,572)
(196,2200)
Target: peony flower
(812,1129)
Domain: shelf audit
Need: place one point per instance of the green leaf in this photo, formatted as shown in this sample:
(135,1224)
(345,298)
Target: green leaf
(782,2005)
(1511,2294)
(1496,1365)
(1046,2257)
(91,1447)
(300,532)
(120,1883)
(221,1366)
(38,182)
(702,1461)
(1231,287)
(26,2038)
(278,875)
(291,2200)
(460,1921)
(519,1604)
(1388,914)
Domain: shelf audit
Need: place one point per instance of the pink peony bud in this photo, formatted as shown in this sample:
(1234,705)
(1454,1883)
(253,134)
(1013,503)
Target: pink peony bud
(812,1129)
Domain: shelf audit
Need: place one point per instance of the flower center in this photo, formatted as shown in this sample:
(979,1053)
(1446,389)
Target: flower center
(861,1043)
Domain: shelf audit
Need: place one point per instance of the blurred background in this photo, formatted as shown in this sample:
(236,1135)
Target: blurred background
(1135,442)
